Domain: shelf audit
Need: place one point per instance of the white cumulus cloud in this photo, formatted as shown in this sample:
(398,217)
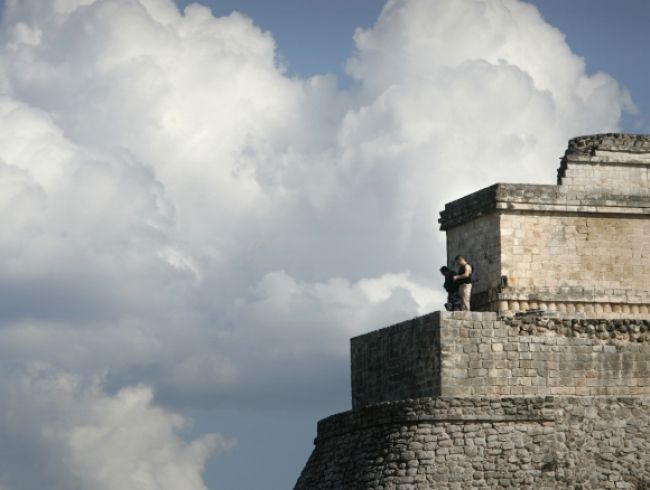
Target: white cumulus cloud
(73,435)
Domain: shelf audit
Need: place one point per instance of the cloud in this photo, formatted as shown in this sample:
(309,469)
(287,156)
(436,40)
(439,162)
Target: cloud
(76,436)
(181,216)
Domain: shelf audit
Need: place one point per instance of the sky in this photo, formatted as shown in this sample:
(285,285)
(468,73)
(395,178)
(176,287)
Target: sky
(202,203)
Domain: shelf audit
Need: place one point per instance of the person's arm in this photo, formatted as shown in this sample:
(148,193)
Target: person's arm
(467,273)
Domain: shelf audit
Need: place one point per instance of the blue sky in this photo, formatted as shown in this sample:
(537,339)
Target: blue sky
(200,208)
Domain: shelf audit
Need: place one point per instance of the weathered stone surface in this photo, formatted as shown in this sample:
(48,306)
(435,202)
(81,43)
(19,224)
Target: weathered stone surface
(402,361)
(621,142)
(614,161)
(480,354)
(525,401)
(484,442)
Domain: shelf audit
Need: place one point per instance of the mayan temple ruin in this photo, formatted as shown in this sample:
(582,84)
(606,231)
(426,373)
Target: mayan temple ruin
(547,384)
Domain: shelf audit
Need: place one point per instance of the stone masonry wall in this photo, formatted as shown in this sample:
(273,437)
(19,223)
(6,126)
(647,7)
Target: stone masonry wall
(608,161)
(478,241)
(473,353)
(625,176)
(577,264)
(494,401)
(543,356)
(402,361)
(488,443)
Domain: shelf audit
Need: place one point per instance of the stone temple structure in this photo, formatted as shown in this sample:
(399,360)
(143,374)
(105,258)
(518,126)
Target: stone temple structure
(582,246)
(547,386)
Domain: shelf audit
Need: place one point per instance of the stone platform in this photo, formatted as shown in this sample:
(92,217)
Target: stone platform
(482,353)
(457,400)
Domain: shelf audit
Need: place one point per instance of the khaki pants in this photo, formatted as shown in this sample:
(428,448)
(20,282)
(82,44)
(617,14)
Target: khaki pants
(465,293)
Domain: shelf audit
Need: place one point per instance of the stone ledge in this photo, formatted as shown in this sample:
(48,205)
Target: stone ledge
(589,144)
(550,199)
(434,316)
(589,308)
(467,410)
(439,410)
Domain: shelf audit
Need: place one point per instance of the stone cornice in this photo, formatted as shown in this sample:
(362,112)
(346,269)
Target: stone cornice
(613,142)
(611,149)
(438,410)
(541,198)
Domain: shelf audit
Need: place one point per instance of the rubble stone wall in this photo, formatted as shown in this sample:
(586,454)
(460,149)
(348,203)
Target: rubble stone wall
(458,443)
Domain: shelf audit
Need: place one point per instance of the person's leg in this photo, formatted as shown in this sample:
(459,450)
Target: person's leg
(465,292)
(449,304)
(455,302)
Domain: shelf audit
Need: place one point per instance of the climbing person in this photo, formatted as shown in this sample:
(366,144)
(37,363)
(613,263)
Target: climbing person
(451,286)
(464,281)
